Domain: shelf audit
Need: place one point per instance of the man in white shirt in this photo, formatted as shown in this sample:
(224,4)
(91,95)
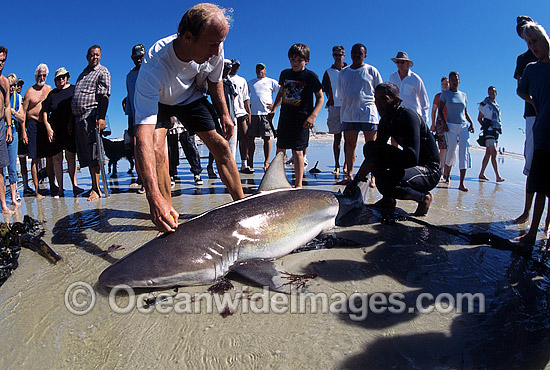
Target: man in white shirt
(334,103)
(173,79)
(261,89)
(242,110)
(411,87)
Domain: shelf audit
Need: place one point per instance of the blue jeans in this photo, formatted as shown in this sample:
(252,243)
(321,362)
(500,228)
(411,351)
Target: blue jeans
(12,152)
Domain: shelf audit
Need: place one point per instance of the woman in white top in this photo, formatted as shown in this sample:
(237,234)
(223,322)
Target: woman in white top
(456,128)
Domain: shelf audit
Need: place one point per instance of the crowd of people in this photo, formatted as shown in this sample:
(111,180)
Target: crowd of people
(183,86)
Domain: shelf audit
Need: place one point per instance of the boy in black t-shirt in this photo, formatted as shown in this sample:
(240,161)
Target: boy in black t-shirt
(298,113)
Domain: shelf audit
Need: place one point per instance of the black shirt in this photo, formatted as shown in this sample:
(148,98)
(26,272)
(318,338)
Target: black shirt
(412,134)
(58,106)
(298,90)
(521,63)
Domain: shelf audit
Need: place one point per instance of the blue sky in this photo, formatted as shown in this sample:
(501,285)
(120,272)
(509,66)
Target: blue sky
(477,39)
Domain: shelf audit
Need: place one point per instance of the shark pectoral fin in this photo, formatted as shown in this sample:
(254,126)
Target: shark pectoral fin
(263,273)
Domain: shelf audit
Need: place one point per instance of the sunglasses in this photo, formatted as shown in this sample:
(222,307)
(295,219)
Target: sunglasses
(3,60)
(338,55)
(401,62)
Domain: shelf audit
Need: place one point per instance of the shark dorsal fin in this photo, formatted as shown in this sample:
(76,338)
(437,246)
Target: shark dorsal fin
(275,177)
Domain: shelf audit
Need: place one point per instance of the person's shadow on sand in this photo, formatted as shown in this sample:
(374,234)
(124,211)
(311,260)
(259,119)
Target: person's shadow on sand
(513,332)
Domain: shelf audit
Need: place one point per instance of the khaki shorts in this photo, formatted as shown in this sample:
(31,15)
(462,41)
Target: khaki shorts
(260,126)
(333,121)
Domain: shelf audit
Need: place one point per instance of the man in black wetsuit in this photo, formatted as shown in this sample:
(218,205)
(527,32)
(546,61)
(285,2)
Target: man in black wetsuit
(407,173)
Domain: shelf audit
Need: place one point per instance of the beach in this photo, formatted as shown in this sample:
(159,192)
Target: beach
(459,248)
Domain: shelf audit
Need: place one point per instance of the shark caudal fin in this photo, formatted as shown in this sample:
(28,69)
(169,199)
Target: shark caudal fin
(275,177)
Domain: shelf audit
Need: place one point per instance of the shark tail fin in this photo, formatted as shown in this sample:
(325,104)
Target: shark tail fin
(275,177)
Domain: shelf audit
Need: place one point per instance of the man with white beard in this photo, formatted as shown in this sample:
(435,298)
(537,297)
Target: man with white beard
(30,127)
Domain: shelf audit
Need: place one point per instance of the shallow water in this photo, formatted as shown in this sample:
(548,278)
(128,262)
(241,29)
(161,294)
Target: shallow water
(393,254)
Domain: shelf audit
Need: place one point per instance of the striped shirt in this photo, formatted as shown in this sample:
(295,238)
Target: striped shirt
(91,83)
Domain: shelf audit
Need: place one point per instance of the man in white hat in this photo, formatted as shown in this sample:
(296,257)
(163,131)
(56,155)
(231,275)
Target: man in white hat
(411,87)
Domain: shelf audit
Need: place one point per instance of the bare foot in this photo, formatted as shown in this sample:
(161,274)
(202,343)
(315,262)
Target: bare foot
(527,238)
(424,206)
(523,218)
(38,195)
(463,188)
(483,178)
(94,196)
(500,179)
(336,171)
(7,210)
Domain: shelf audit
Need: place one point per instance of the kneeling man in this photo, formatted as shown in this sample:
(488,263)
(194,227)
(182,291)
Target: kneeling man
(407,173)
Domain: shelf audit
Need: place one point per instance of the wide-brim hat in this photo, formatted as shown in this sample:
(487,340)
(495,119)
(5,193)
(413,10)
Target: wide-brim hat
(401,55)
(227,63)
(61,72)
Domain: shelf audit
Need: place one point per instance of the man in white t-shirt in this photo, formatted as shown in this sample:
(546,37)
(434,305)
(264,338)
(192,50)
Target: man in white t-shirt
(173,80)
(261,90)
(242,109)
(411,87)
(334,103)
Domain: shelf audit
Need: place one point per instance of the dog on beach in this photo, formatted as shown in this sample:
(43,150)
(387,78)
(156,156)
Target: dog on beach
(115,149)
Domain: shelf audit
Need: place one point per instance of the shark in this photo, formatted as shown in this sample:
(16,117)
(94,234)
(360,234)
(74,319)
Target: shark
(244,236)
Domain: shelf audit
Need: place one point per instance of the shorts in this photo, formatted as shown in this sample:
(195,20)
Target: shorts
(22,148)
(86,146)
(260,126)
(539,176)
(38,141)
(334,122)
(359,126)
(198,116)
(291,134)
(4,155)
(440,135)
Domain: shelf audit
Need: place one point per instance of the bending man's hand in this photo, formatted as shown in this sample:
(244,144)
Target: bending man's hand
(163,215)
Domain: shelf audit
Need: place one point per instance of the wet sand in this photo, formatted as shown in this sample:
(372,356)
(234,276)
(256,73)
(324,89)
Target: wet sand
(391,255)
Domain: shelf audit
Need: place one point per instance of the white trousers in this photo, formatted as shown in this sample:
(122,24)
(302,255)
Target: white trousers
(458,134)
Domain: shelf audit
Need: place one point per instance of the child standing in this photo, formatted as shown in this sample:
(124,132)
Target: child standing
(298,113)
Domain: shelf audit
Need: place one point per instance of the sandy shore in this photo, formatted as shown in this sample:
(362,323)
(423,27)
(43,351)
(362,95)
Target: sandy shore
(376,253)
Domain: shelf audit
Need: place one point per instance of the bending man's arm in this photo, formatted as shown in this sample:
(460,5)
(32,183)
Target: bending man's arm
(163,215)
